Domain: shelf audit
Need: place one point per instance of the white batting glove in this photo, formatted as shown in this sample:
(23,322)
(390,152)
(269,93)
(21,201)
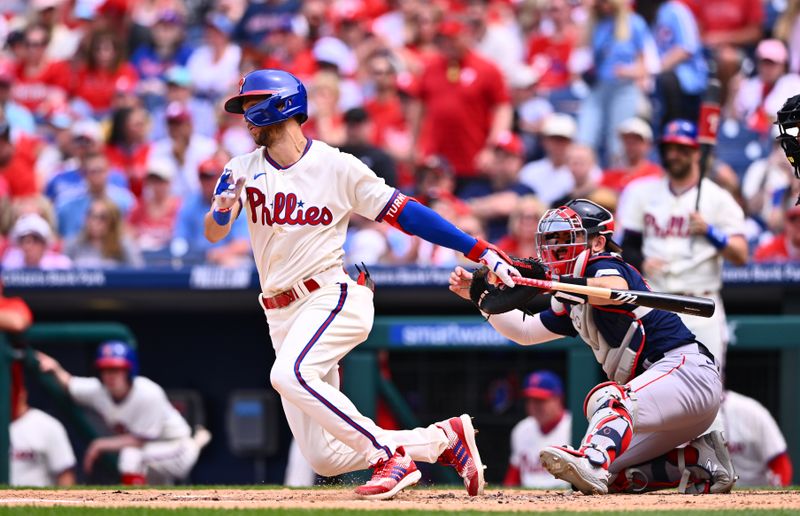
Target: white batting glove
(499,266)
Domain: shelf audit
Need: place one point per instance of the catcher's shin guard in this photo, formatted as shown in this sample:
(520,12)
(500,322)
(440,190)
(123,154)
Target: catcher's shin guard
(609,411)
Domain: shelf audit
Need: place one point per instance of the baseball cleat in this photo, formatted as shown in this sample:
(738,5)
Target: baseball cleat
(462,452)
(574,467)
(713,472)
(389,477)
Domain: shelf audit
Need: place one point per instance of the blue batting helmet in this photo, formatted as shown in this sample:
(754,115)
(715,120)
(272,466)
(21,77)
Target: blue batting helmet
(680,131)
(287,98)
(117,354)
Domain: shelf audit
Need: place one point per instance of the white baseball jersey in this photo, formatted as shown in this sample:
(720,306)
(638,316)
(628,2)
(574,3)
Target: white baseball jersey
(298,215)
(145,412)
(753,437)
(662,217)
(40,449)
(527,440)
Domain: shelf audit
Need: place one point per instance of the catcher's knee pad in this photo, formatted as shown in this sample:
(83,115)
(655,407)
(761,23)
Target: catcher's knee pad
(608,400)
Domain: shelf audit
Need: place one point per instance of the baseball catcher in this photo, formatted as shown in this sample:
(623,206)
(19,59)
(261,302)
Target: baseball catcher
(663,390)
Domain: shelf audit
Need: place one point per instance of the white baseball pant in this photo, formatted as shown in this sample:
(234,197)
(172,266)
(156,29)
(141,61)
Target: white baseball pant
(162,462)
(310,337)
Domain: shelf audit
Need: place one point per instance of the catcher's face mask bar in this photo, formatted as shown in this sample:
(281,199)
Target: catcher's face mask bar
(560,238)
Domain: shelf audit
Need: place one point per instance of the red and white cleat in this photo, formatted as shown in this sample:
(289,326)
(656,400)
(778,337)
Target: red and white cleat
(391,476)
(462,452)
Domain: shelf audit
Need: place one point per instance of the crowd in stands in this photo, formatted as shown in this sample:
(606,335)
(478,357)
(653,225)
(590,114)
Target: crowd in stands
(112,133)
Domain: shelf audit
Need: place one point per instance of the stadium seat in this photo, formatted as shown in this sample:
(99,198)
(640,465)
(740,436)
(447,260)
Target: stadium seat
(739,146)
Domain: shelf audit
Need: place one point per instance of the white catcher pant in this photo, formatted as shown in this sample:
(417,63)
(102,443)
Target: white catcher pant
(162,462)
(310,337)
(676,400)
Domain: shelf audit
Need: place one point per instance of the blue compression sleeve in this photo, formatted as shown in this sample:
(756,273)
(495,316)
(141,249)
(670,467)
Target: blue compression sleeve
(422,221)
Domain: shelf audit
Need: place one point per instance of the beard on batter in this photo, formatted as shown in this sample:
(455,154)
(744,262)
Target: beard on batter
(267,136)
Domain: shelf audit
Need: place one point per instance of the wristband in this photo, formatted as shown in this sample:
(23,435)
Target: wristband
(717,238)
(222,217)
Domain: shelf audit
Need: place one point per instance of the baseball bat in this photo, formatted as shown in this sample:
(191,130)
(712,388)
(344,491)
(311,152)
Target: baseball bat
(707,127)
(700,306)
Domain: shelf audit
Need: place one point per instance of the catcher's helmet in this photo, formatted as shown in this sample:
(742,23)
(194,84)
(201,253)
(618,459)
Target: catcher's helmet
(680,131)
(117,354)
(287,98)
(564,233)
(789,127)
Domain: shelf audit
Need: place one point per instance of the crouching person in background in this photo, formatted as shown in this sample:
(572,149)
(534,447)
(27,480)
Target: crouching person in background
(154,442)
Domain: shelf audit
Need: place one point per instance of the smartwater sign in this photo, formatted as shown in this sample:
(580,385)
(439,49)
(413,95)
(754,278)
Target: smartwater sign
(445,335)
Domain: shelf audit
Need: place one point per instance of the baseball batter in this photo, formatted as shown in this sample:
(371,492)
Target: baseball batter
(297,195)
(154,442)
(757,447)
(665,388)
(680,249)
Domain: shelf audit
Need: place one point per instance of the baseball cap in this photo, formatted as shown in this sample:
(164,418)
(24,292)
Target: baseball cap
(170,16)
(772,50)
(220,22)
(637,126)
(41,5)
(542,385)
(510,143)
(210,167)
(559,124)
(89,129)
(680,131)
(162,168)
(178,75)
(32,224)
(177,112)
(356,115)
(451,28)
(334,51)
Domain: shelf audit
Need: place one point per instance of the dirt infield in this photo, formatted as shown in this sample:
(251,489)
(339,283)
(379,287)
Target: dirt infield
(428,499)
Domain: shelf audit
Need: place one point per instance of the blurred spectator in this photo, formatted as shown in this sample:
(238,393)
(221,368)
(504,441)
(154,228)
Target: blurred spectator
(214,66)
(436,180)
(286,47)
(549,177)
(103,72)
(85,139)
(327,120)
(787,29)
(18,162)
(40,84)
(190,243)
(586,175)
(184,148)
(16,115)
(493,200)
(763,188)
(180,90)
(57,155)
(728,28)
(522,226)
(784,247)
(759,98)
(547,423)
(463,92)
(757,446)
(102,243)
(128,146)
(334,56)
(259,19)
(32,246)
(164,49)
(63,41)
(358,131)
(549,50)
(39,448)
(496,37)
(386,110)
(74,205)
(152,221)
(637,144)
(618,39)
(417,39)
(684,71)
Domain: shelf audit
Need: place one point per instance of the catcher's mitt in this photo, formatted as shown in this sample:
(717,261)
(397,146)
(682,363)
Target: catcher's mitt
(493,299)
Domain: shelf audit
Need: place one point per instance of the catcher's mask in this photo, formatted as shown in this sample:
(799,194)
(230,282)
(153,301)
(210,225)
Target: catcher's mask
(789,126)
(565,232)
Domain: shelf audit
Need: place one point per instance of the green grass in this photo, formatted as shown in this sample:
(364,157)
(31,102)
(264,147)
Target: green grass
(80,511)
